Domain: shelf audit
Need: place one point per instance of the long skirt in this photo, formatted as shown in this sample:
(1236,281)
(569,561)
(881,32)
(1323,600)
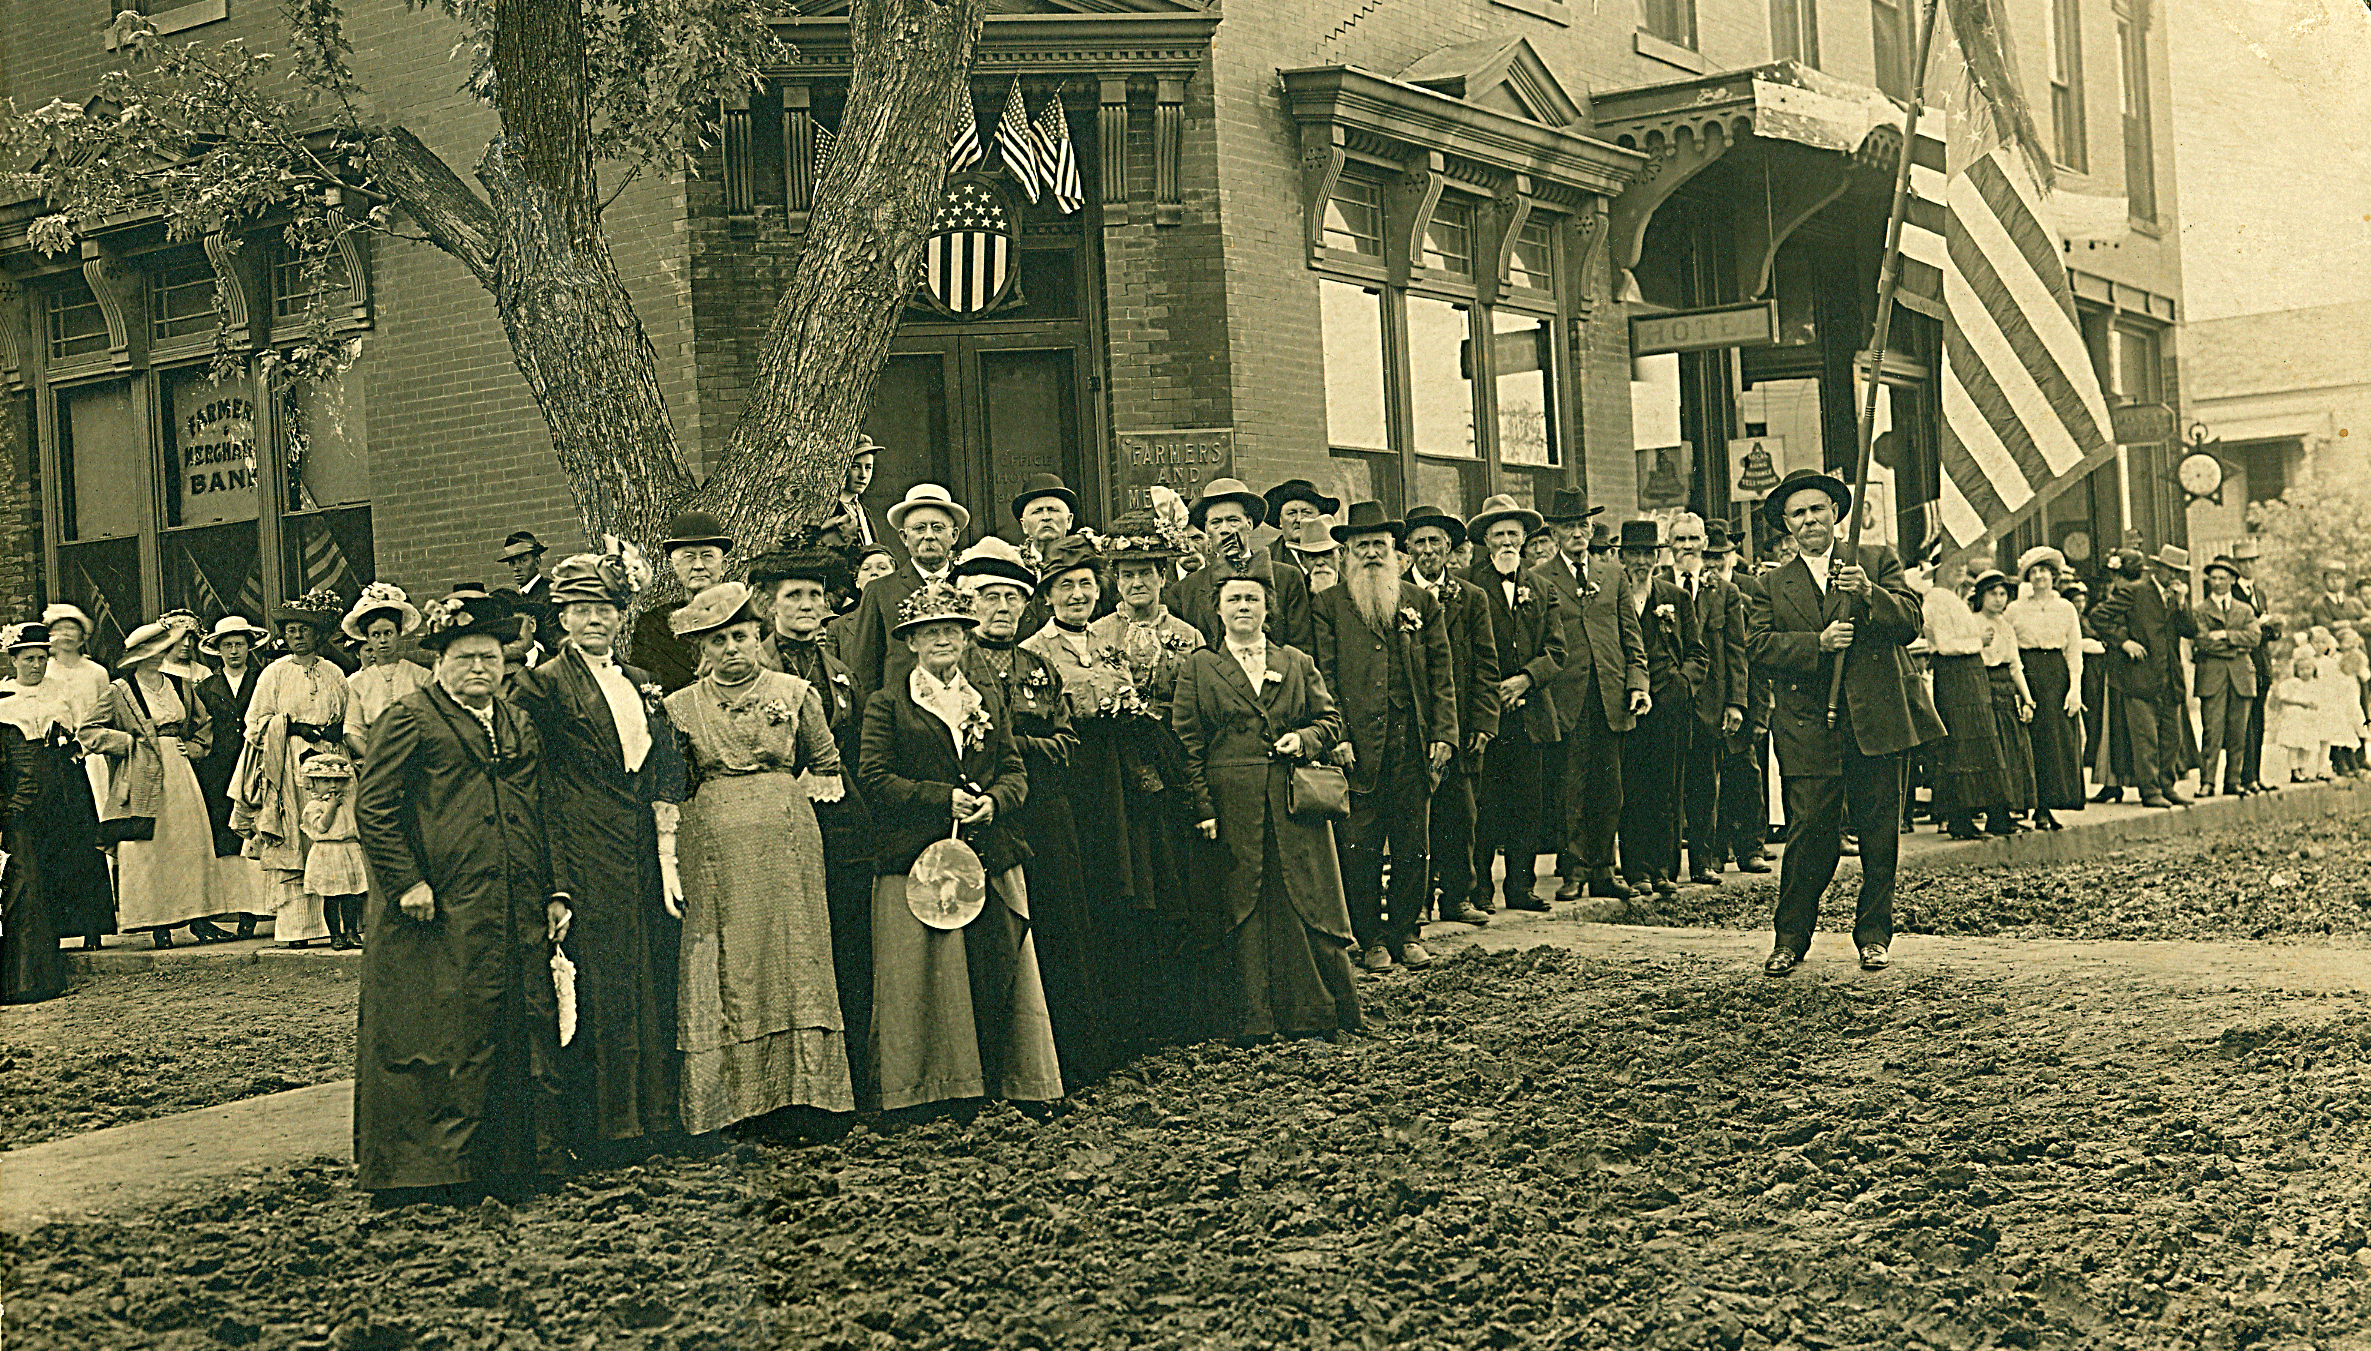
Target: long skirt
(960,1013)
(169,880)
(1290,978)
(2016,748)
(2056,738)
(31,967)
(1970,772)
(758,1005)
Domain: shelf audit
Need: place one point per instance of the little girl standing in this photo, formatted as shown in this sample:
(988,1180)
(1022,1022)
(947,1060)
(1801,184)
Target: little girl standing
(333,864)
(2292,721)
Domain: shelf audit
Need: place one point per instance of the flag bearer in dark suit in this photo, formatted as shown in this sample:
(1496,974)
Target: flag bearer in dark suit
(1473,660)
(1832,603)
(1527,754)
(1651,752)
(1600,693)
(1384,646)
(1719,703)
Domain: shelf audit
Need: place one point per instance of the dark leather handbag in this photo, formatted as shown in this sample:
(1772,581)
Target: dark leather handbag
(1317,793)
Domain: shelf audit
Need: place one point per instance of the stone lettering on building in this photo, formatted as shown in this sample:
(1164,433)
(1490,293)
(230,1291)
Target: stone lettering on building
(1183,459)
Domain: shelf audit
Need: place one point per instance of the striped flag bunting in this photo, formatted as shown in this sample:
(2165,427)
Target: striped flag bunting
(206,600)
(963,144)
(825,137)
(2023,414)
(1057,161)
(1013,143)
(325,565)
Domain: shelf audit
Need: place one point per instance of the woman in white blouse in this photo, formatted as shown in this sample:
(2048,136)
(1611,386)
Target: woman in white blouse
(2049,637)
(1970,775)
(382,617)
(2012,702)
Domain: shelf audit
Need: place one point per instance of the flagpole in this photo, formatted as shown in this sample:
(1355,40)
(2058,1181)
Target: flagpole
(1889,282)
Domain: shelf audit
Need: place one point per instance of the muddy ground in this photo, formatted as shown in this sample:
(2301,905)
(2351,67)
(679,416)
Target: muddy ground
(123,1046)
(2292,882)
(1536,1149)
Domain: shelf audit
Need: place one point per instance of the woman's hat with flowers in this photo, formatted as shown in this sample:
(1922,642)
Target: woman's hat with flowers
(933,603)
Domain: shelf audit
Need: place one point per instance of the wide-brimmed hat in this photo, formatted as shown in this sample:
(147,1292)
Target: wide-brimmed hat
(693,528)
(1601,537)
(1569,505)
(1068,554)
(1643,533)
(1368,518)
(233,626)
(2222,562)
(1717,539)
(927,495)
(932,603)
(1774,506)
(1137,534)
(1227,490)
(583,578)
(714,608)
(1440,516)
(518,544)
(148,640)
(24,637)
(58,610)
(381,598)
(2173,556)
(995,560)
(325,765)
(1316,539)
(865,445)
(1502,508)
(1044,485)
(827,568)
(470,615)
(319,607)
(2041,553)
(1987,579)
(1298,490)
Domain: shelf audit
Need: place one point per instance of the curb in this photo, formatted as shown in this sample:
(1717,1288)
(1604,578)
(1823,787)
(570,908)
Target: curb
(2081,842)
(248,952)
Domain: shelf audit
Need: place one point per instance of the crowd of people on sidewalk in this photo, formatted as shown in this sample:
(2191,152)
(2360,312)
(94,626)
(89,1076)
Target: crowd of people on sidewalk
(879,821)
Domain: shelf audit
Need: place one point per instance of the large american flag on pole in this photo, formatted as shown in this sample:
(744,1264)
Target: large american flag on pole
(963,143)
(2023,415)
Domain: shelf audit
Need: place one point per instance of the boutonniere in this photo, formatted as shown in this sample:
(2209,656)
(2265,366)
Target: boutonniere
(1270,677)
(1123,701)
(777,711)
(1665,612)
(1410,621)
(650,690)
(840,678)
(1522,594)
(1039,677)
(1179,642)
(975,729)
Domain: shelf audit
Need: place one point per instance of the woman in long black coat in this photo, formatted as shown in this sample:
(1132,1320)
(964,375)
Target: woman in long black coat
(1281,904)
(62,885)
(226,692)
(30,968)
(599,800)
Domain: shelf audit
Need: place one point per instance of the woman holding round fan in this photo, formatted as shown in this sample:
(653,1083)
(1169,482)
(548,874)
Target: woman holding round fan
(958,1008)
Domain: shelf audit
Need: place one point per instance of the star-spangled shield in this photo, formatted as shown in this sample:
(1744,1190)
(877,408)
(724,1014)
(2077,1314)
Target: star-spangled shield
(968,258)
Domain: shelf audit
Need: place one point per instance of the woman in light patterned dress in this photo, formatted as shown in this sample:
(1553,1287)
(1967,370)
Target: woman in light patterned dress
(301,704)
(150,726)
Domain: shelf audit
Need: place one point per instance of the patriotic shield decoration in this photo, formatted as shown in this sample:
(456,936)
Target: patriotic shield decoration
(969,258)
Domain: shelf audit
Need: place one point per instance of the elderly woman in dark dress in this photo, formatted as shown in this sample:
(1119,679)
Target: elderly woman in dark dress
(57,831)
(957,1013)
(1246,713)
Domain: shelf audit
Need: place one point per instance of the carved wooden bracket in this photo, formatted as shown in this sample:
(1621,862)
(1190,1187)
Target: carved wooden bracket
(357,278)
(15,336)
(1111,147)
(117,288)
(1501,223)
(1168,150)
(1584,247)
(1793,199)
(1321,171)
(234,279)
(1408,206)
(1670,163)
(740,194)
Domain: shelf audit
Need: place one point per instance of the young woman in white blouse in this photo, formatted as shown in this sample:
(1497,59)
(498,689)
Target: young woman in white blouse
(2049,636)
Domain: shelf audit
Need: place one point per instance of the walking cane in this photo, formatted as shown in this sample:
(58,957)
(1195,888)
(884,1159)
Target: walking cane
(1889,283)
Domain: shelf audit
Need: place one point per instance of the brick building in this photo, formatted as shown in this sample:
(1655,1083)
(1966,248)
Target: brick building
(1396,246)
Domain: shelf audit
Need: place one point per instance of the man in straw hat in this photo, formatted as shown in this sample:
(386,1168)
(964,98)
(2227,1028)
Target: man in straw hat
(1600,693)
(1229,510)
(930,521)
(2142,620)
(1526,755)
(2222,660)
(1383,649)
(1435,533)
(695,548)
(463,1091)
(1836,602)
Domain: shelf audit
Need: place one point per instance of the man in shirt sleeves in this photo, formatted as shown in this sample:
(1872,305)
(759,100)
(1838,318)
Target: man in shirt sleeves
(457,1079)
(1835,602)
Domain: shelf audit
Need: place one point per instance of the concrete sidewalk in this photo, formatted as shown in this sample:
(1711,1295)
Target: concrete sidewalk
(133,952)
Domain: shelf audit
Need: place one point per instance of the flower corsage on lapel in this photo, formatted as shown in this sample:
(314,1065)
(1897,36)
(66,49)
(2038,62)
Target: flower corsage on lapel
(777,711)
(1410,621)
(1522,595)
(974,730)
(1666,612)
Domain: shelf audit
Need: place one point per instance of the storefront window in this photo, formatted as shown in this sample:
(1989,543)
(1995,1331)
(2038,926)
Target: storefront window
(181,300)
(1352,321)
(1523,357)
(1441,376)
(324,422)
(102,461)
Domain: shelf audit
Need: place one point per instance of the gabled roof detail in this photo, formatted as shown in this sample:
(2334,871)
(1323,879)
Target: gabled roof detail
(1503,74)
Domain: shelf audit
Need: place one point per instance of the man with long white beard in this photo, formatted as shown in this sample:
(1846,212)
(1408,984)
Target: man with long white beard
(1383,650)
(1528,752)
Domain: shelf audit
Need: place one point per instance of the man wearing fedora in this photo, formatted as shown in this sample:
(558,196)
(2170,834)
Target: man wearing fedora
(1836,602)
(1228,510)
(1433,534)
(2142,620)
(930,521)
(1383,650)
(1651,765)
(523,554)
(1599,695)
(1046,510)
(1698,549)
(2244,554)
(1299,512)
(695,549)
(1525,757)
(2222,662)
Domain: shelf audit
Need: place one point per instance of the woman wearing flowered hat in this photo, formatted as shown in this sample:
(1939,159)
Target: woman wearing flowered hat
(150,726)
(301,704)
(383,617)
(958,1012)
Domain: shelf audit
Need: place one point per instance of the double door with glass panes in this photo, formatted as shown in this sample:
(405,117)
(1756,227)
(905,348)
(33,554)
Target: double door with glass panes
(980,412)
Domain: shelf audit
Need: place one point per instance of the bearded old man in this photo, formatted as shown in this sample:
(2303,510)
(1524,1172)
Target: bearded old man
(1434,535)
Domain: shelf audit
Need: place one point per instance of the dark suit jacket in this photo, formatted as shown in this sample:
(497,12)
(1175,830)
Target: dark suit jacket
(1355,662)
(1473,661)
(874,656)
(229,714)
(1676,660)
(1529,640)
(1758,700)
(671,661)
(1880,714)
(1195,600)
(911,770)
(1599,635)
(2224,665)
(2330,613)
(2137,611)
(1720,618)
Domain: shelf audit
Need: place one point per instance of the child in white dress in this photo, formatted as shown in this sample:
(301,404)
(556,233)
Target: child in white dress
(333,861)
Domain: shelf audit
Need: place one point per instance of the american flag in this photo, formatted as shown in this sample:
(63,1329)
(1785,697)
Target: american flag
(2023,413)
(1013,143)
(1057,163)
(969,255)
(963,143)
